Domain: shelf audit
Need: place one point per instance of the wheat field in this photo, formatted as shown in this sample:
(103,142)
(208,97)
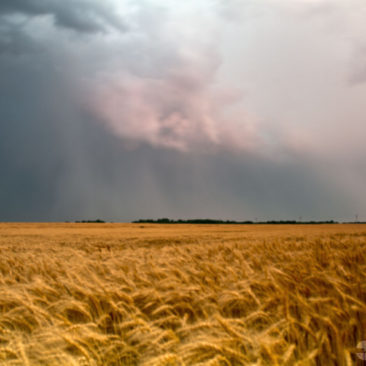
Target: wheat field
(139,294)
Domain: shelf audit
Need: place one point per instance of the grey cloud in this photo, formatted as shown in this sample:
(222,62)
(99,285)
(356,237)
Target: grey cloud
(81,16)
(149,125)
(14,41)
(58,162)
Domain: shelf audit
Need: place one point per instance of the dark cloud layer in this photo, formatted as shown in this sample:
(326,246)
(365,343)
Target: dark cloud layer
(82,171)
(149,120)
(82,16)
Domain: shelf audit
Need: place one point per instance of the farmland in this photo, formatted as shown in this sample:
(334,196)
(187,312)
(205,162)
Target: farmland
(149,294)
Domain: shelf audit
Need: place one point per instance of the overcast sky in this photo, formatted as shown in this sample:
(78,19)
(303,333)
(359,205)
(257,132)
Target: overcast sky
(232,109)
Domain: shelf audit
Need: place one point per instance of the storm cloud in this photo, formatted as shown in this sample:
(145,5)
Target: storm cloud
(235,109)
(81,16)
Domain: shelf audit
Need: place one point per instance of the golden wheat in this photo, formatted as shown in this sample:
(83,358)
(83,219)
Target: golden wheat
(130,294)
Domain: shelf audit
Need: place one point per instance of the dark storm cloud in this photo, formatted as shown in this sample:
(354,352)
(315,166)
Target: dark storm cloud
(81,16)
(66,166)
(14,42)
(152,122)
(59,163)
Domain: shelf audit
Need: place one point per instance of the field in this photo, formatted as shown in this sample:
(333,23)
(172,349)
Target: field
(139,294)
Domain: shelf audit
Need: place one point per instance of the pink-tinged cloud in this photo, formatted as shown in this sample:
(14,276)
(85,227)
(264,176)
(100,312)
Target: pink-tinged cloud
(185,109)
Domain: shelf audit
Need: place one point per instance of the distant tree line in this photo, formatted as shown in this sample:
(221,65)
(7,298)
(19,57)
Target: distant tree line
(97,221)
(211,221)
(216,222)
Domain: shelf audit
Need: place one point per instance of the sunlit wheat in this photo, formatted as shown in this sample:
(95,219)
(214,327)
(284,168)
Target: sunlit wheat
(181,294)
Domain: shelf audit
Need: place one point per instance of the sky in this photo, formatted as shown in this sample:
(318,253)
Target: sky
(225,109)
